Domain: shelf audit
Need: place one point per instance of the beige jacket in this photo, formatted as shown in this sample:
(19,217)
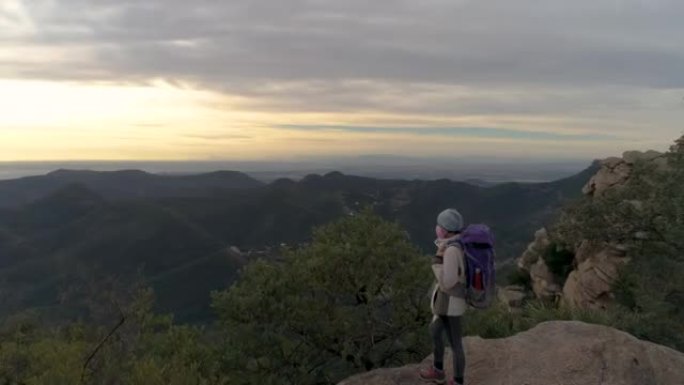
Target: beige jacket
(448,296)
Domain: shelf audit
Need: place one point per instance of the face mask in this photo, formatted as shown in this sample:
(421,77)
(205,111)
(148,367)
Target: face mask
(441,233)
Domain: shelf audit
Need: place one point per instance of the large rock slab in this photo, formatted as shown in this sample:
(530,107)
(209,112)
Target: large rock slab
(554,353)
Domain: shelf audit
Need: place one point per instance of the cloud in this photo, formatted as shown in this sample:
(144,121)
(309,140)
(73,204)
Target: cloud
(447,42)
(148,125)
(221,136)
(470,132)
(612,65)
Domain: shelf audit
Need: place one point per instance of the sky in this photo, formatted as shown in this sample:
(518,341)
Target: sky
(290,79)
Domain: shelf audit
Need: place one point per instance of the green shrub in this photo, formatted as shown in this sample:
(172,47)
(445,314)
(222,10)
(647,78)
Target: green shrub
(499,322)
(519,277)
(146,350)
(559,260)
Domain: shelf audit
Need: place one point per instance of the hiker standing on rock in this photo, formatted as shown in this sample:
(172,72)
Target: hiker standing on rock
(464,268)
(448,266)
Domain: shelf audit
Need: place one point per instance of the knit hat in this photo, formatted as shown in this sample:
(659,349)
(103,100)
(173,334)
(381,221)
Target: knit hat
(450,220)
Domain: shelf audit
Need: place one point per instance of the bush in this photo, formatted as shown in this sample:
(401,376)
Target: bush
(519,277)
(559,260)
(353,300)
(499,322)
(146,350)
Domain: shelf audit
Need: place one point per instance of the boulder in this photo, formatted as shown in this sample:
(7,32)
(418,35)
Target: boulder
(589,285)
(584,251)
(534,250)
(614,172)
(544,284)
(553,353)
(611,162)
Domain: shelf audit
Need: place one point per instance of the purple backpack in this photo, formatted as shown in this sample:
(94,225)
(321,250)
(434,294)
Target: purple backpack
(477,243)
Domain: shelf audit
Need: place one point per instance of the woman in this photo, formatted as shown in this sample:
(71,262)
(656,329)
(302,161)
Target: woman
(448,299)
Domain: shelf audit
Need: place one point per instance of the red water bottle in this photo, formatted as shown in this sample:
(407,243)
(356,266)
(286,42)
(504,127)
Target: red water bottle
(477,285)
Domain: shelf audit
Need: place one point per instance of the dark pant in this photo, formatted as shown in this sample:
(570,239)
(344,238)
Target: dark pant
(452,327)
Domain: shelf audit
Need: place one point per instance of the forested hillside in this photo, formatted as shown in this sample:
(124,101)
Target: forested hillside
(188,235)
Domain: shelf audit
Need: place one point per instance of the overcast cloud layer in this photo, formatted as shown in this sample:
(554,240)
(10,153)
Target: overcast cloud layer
(614,68)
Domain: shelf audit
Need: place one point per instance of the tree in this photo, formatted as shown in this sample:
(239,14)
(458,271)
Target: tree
(145,350)
(353,300)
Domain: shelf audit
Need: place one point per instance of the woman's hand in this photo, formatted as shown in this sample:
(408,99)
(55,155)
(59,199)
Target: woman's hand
(441,247)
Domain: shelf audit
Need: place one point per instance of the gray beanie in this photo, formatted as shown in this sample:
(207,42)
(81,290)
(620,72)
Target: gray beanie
(450,220)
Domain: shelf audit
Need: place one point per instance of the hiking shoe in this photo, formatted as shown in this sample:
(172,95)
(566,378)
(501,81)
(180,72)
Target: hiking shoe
(433,375)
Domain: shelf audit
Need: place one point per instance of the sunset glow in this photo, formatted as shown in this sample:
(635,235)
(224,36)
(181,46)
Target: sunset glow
(104,85)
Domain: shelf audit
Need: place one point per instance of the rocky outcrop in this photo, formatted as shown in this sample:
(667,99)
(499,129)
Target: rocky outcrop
(615,172)
(595,266)
(679,145)
(554,353)
(534,250)
(544,283)
(589,285)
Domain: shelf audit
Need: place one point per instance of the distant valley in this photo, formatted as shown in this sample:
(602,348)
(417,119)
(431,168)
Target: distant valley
(482,170)
(187,235)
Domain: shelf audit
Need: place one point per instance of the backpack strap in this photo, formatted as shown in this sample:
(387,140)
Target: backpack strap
(456,242)
(460,289)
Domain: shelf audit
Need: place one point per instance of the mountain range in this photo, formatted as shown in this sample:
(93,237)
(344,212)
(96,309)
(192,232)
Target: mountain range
(70,230)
